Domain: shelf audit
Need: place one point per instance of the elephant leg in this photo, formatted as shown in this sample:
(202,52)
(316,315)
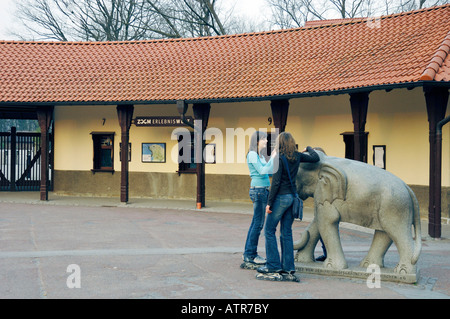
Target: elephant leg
(328,223)
(405,246)
(306,254)
(380,244)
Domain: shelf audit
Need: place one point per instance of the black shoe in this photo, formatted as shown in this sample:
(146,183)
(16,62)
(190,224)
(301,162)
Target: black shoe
(265,270)
(321,258)
(290,276)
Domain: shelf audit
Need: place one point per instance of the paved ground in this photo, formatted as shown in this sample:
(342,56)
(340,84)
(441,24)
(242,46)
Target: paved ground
(167,249)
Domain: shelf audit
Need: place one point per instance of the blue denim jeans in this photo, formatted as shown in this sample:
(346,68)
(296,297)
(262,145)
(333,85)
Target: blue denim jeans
(259,198)
(281,213)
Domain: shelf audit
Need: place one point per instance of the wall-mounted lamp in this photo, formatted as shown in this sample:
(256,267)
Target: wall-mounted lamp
(182,107)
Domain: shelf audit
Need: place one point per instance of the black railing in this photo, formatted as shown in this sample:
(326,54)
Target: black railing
(20,161)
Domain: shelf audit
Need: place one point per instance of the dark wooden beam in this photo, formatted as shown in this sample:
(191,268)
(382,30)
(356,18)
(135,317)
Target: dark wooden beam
(13,159)
(436,99)
(45,117)
(125,115)
(17,115)
(359,103)
(201,117)
(280,110)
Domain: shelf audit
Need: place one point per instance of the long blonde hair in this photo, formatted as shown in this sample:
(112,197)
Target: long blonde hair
(286,146)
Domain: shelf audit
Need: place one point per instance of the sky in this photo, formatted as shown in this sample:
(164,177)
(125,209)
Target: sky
(6,18)
(251,8)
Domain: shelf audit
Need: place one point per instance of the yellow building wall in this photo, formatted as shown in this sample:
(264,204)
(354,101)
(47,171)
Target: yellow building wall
(397,119)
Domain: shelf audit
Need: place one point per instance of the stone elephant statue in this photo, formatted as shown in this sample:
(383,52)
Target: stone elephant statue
(350,191)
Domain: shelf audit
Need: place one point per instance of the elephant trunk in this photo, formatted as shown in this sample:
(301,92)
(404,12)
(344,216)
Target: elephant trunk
(300,244)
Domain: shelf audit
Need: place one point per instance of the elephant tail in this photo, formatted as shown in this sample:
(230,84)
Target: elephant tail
(300,244)
(417,228)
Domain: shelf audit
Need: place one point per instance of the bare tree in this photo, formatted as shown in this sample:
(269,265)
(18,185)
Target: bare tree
(96,20)
(348,9)
(294,13)
(187,18)
(119,20)
(408,5)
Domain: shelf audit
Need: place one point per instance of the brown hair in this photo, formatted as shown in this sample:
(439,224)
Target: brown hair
(254,140)
(286,146)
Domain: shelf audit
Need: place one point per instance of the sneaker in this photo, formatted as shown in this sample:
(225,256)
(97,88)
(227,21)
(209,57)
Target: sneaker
(258,260)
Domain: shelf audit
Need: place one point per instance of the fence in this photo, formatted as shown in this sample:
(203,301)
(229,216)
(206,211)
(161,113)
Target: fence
(20,161)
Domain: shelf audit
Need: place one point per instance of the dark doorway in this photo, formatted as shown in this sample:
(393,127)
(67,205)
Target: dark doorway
(349,140)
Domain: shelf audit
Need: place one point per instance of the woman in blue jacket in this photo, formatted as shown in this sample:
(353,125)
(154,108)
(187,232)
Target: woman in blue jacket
(259,192)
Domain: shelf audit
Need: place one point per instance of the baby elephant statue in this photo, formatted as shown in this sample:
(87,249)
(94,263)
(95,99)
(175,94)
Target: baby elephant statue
(350,191)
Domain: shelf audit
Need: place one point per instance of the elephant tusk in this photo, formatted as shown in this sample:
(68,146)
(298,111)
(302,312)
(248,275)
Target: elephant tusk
(300,244)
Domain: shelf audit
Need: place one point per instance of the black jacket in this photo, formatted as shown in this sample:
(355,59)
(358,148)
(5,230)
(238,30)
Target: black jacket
(280,180)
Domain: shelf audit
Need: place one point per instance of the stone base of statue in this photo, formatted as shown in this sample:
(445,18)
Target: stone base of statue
(277,277)
(370,274)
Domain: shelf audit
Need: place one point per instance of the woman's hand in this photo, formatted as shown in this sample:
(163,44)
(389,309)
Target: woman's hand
(274,153)
(268,211)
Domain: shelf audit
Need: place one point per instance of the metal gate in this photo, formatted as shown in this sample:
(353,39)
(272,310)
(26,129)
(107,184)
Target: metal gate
(20,161)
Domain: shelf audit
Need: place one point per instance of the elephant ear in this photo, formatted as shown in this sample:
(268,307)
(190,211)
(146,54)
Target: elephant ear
(332,185)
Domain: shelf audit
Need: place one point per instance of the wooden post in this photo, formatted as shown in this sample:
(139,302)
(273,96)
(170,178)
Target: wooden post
(201,117)
(45,117)
(280,109)
(436,99)
(12,163)
(359,103)
(125,115)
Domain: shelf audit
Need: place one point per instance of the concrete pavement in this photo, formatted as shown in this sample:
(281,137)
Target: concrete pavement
(168,249)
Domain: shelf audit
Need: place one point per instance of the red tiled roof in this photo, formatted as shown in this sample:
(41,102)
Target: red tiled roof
(408,47)
(439,67)
(316,23)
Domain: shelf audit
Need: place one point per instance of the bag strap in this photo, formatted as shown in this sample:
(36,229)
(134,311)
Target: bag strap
(294,191)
